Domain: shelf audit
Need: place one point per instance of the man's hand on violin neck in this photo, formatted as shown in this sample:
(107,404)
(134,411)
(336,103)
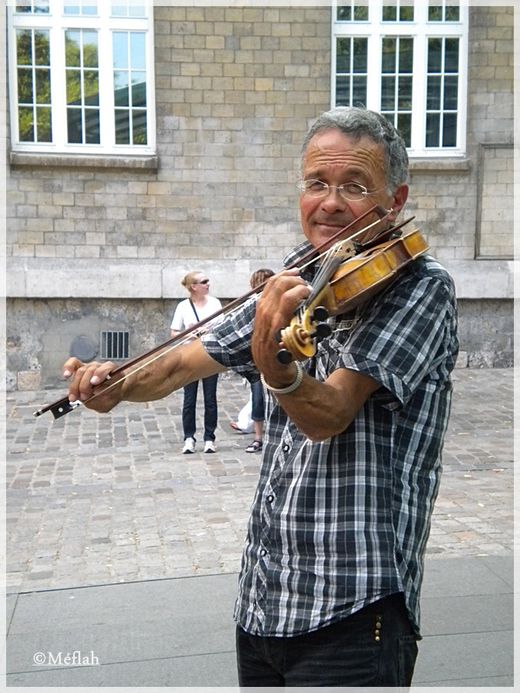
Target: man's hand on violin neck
(276,306)
(85,378)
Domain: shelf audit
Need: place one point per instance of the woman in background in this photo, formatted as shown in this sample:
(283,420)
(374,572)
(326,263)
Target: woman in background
(197,307)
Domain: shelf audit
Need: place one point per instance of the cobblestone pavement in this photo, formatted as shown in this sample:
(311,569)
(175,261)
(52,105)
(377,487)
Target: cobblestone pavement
(101,499)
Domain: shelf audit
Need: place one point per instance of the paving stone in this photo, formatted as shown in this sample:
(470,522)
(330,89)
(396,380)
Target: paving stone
(111,498)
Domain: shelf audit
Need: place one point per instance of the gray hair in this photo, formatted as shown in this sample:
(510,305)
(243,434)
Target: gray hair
(359,122)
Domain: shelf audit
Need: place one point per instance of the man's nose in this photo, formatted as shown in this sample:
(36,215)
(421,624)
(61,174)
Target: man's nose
(333,198)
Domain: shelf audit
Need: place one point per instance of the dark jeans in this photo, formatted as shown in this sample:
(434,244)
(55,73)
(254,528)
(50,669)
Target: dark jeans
(347,653)
(257,401)
(209,386)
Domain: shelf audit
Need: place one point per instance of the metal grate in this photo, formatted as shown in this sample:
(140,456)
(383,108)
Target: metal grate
(114,345)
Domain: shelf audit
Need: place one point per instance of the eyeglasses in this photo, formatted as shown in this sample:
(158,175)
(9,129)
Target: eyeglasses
(351,191)
(203,281)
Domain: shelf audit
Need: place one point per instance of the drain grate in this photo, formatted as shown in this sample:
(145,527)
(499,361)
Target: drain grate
(114,345)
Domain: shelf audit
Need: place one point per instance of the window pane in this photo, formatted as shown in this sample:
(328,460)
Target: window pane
(44,124)
(33,85)
(121,93)
(42,48)
(35,7)
(342,91)
(344,13)
(352,12)
(387,93)
(404,125)
(137,51)
(73,87)
(86,9)
(405,55)
(351,71)
(435,13)
(25,124)
(433,94)
(432,129)
(120,49)
(82,81)
(389,13)
(25,85)
(452,13)
(447,11)
(122,126)
(389,55)
(91,87)
(451,58)
(43,86)
(74,126)
(359,91)
(24,47)
(434,54)
(360,13)
(92,125)
(139,89)
(451,88)
(128,10)
(90,49)
(139,127)
(449,132)
(72,48)
(404,101)
(343,55)
(406,13)
(360,55)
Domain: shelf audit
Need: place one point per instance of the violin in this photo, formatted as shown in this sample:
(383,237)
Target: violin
(344,282)
(348,249)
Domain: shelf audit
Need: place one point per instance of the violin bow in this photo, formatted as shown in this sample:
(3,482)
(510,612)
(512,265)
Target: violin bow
(63,406)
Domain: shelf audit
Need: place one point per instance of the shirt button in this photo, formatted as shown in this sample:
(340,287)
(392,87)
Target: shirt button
(263,552)
(270,498)
(286,448)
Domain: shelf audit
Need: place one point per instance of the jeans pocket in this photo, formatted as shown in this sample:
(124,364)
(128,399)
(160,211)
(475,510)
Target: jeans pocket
(407,654)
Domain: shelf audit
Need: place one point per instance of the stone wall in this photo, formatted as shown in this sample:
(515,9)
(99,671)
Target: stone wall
(236,88)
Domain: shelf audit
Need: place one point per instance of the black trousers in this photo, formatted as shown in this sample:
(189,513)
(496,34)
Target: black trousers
(376,646)
(209,387)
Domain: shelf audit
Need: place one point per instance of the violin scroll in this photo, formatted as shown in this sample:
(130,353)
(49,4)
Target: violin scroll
(299,340)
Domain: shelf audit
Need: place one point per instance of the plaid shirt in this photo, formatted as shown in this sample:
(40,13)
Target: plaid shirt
(338,524)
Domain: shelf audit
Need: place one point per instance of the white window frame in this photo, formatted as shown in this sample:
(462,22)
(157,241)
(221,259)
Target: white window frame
(56,22)
(420,29)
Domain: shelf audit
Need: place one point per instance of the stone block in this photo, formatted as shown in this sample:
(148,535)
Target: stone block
(29,380)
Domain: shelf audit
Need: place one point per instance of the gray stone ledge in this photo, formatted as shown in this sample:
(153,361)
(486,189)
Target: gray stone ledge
(140,279)
(142,162)
(461,164)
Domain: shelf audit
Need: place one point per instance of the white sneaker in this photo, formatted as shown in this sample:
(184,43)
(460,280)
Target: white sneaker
(209,446)
(189,446)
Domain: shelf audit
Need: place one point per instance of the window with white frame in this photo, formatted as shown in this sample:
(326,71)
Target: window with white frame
(406,59)
(81,76)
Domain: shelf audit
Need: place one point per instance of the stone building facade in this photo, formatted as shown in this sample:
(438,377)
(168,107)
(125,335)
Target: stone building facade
(100,244)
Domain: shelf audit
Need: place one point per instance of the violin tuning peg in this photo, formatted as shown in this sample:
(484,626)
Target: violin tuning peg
(284,356)
(322,330)
(320,314)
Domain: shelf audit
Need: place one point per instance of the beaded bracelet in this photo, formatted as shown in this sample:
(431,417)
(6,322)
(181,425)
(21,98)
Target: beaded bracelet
(290,388)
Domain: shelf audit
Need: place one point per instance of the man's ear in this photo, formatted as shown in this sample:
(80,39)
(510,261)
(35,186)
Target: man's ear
(399,200)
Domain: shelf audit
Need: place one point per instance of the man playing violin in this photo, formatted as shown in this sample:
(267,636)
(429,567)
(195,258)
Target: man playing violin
(333,562)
